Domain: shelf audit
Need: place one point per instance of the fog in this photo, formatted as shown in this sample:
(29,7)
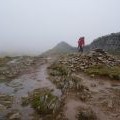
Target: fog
(38,25)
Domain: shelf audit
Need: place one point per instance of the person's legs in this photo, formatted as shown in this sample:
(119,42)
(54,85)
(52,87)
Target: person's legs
(78,48)
(81,48)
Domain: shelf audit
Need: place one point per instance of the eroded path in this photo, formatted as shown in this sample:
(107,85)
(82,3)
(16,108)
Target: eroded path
(104,101)
(21,87)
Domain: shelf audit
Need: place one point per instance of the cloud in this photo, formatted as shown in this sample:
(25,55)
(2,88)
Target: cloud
(38,25)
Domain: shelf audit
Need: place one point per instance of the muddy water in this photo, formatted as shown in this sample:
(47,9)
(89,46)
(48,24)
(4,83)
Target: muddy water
(71,108)
(101,89)
(98,84)
(25,84)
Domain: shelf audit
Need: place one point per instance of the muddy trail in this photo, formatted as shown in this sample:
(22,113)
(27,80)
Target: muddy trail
(103,103)
(21,87)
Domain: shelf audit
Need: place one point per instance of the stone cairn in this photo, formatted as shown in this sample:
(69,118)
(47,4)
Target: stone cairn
(81,62)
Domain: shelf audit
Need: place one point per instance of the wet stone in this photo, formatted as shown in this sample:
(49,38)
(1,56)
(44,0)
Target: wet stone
(14,116)
(6,100)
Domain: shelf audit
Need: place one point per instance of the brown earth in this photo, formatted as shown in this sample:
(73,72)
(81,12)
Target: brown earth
(85,97)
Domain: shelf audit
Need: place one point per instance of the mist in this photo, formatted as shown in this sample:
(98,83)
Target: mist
(34,26)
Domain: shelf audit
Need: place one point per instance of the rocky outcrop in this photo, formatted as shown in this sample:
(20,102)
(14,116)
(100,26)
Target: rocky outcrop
(109,43)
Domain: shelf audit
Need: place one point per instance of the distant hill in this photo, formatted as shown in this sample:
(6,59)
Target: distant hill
(110,43)
(60,48)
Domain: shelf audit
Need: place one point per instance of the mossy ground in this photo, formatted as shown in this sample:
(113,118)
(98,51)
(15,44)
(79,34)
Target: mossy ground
(100,70)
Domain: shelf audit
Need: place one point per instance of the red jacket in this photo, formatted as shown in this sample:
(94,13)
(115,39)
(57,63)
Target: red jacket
(81,41)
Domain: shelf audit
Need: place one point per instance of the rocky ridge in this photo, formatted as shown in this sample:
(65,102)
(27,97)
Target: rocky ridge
(110,43)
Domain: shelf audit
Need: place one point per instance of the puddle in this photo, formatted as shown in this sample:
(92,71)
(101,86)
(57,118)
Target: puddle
(6,89)
(22,86)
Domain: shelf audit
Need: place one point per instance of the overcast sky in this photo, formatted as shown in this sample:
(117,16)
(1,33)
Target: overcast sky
(40,24)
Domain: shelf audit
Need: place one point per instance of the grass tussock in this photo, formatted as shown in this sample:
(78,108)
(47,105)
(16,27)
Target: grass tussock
(58,70)
(43,101)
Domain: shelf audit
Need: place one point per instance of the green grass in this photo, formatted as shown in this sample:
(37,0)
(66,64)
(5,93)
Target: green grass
(58,70)
(100,70)
(43,101)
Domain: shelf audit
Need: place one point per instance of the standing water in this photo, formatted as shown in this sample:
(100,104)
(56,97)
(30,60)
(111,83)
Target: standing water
(25,84)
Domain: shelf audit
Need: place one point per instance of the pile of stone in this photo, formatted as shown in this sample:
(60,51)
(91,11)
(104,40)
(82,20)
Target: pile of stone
(77,62)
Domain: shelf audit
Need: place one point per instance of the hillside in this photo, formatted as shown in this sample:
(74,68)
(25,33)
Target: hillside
(60,48)
(110,43)
(90,84)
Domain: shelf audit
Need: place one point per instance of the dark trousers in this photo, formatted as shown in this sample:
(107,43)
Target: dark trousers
(80,49)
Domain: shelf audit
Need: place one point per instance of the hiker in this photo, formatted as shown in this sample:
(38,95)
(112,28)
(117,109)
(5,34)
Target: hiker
(81,43)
